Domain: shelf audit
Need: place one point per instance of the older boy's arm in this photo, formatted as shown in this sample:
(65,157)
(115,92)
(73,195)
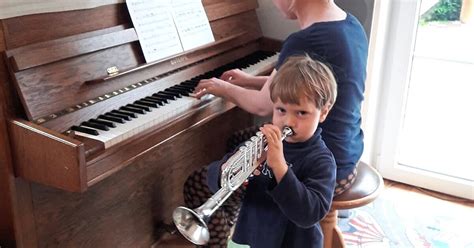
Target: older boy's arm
(240,78)
(306,202)
(257,102)
(257,82)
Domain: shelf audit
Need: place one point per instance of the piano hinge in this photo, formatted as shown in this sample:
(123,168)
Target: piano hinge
(178,60)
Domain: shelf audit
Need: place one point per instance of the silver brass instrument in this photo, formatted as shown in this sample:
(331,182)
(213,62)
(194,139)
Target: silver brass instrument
(193,223)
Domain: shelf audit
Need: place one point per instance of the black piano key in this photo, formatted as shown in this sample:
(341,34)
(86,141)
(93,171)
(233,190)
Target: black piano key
(122,112)
(167,93)
(220,70)
(183,92)
(189,89)
(159,100)
(131,105)
(158,103)
(95,125)
(186,91)
(166,96)
(117,114)
(147,103)
(102,122)
(153,100)
(112,118)
(170,92)
(133,110)
(206,75)
(176,92)
(189,83)
(196,81)
(85,130)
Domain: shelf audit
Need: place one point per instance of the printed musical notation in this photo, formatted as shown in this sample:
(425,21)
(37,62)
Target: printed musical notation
(192,23)
(168,27)
(155,28)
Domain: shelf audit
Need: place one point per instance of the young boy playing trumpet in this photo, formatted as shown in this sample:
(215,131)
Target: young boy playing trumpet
(284,203)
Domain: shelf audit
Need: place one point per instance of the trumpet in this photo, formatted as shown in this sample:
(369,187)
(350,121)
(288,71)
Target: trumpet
(192,223)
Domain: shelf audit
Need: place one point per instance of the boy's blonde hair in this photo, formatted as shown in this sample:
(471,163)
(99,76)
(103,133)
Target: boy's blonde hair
(302,76)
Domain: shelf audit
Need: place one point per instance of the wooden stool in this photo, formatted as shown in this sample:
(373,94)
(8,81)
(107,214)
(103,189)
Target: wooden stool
(366,188)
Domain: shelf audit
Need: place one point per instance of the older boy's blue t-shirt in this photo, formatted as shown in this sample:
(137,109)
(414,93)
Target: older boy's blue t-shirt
(286,214)
(343,46)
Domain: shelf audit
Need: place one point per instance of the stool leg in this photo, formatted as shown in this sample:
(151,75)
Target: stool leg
(332,235)
(328,224)
(338,239)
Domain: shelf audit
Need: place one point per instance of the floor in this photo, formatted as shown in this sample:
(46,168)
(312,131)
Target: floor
(412,195)
(412,200)
(407,216)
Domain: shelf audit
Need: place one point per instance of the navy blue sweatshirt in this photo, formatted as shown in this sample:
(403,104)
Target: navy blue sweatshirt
(286,214)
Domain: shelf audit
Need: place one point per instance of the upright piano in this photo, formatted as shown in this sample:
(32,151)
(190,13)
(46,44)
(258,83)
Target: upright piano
(96,143)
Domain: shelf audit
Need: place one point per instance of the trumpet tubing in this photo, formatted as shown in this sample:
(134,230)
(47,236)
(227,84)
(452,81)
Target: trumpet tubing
(192,223)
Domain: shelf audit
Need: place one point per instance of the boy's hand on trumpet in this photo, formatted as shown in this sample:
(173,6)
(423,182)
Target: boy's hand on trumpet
(274,155)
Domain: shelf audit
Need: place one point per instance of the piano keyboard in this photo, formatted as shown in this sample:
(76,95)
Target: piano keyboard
(129,120)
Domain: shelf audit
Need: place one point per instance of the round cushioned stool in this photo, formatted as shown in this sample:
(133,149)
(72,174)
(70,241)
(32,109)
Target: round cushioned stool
(366,188)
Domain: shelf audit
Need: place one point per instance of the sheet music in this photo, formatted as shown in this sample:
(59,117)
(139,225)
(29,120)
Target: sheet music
(192,23)
(155,28)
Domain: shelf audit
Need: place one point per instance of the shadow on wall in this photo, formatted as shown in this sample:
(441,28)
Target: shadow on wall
(275,26)
(362,9)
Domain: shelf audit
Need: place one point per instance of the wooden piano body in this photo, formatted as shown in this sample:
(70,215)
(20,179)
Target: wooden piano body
(61,190)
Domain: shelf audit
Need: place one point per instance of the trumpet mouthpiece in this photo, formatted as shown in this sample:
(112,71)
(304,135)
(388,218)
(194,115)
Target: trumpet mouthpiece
(287,131)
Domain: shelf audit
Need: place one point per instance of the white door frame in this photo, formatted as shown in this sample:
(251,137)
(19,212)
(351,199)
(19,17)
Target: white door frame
(389,88)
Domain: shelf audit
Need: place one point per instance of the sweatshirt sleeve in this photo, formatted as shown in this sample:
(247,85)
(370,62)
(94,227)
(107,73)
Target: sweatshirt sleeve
(214,173)
(307,200)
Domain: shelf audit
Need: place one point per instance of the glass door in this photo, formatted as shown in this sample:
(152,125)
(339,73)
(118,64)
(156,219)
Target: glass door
(427,120)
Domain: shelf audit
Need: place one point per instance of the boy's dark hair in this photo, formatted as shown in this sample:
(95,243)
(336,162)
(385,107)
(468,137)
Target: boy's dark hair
(302,76)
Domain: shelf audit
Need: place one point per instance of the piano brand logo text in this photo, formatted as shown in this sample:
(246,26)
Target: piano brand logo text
(178,60)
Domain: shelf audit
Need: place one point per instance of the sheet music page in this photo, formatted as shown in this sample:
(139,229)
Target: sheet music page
(192,23)
(155,28)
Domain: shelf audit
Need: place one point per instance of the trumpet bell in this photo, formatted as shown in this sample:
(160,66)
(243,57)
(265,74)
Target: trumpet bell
(191,225)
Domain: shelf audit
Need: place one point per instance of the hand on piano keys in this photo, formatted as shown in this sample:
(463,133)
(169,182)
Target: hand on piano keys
(212,86)
(219,86)
(237,77)
(131,119)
